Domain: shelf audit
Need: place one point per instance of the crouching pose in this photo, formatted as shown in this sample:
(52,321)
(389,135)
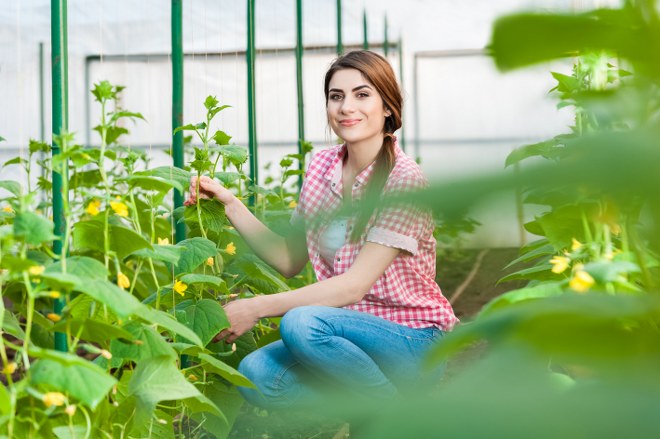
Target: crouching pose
(376,308)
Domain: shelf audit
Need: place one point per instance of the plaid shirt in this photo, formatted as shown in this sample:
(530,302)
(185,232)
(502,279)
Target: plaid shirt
(406,293)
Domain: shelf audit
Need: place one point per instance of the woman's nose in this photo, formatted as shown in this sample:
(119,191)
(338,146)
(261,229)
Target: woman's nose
(347,105)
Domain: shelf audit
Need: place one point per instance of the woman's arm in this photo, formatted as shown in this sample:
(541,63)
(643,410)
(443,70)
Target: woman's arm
(337,291)
(287,255)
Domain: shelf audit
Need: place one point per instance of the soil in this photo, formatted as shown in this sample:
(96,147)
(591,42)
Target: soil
(482,268)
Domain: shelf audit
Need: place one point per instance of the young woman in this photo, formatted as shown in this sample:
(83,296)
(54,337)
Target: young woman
(376,308)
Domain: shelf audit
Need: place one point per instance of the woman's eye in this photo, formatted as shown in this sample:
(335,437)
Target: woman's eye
(363,95)
(335,97)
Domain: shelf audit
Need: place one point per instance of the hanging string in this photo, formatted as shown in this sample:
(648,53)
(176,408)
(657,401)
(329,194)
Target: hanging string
(19,82)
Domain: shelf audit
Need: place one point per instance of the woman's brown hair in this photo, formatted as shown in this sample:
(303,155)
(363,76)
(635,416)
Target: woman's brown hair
(378,71)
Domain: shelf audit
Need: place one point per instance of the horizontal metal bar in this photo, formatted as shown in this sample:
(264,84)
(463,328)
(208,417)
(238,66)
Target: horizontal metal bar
(144,57)
(451,53)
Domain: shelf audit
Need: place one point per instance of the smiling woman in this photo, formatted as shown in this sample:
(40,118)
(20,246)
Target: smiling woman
(376,308)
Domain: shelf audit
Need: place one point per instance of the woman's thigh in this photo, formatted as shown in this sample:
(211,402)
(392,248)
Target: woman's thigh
(396,349)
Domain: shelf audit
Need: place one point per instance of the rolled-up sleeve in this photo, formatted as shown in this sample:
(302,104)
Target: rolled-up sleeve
(400,224)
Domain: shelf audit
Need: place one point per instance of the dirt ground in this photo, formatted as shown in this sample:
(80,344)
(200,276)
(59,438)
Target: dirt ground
(473,273)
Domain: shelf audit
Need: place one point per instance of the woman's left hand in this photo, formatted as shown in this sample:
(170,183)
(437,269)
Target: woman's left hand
(242,317)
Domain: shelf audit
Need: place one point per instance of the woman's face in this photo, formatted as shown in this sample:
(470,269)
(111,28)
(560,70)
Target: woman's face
(355,109)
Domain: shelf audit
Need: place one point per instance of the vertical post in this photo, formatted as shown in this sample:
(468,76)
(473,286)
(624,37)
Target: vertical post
(299,82)
(177,102)
(60,123)
(416,104)
(365,33)
(400,49)
(340,44)
(42,110)
(252,116)
(386,42)
(88,109)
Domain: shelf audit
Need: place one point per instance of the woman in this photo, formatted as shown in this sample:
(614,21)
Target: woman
(376,308)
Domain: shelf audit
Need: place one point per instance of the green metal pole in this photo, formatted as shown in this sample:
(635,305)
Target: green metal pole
(340,44)
(386,43)
(252,116)
(299,82)
(403,136)
(365,42)
(177,102)
(59,78)
(42,110)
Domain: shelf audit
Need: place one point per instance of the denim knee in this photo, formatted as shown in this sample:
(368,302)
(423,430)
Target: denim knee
(299,324)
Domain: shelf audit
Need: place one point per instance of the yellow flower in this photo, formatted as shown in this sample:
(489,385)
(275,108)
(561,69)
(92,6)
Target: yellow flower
(9,368)
(180,287)
(576,245)
(559,264)
(123,281)
(36,270)
(53,399)
(163,241)
(293,204)
(54,294)
(8,209)
(615,229)
(192,377)
(53,317)
(230,249)
(210,262)
(93,207)
(120,208)
(581,281)
(70,410)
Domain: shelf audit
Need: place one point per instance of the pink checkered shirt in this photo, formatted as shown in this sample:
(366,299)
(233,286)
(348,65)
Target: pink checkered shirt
(406,293)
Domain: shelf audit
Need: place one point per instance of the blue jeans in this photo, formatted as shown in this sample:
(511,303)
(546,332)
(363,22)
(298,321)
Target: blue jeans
(362,354)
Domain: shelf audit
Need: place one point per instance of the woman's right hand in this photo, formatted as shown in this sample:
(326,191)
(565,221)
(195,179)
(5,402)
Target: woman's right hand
(208,189)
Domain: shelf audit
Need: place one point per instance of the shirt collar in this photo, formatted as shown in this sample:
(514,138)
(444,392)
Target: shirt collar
(334,172)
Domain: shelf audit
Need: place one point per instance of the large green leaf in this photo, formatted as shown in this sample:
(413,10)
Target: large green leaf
(165,253)
(170,323)
(71,375)
(228,400)
(205,317)
(5,401)
(610,271)
(149,344)
(212,364)
(528,293)
(197,251)
(85,267)
(158,379)
(176,177)
(32,228)
(104,291)
(122,240)
(11,186)
(212,213)
(265,279)
(194,278)
(92,330)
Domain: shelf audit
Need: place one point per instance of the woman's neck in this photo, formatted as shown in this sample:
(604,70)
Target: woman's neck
(362,154)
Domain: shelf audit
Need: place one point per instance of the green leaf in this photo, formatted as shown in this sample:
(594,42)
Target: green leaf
(149,344)
(544,250)
(14,161)
(92,330)
(83,267)
(165,253)
(104,291)
(190,127)
(70,431)
(87,179)
(197,251)
(523,294)
(260,275)
(32,228)
(221,138)
(236,155)
(210,102)
(212,213)
(5,400)
(228,400)
(168,322)
(123,241)
(71,375)
(539,272)
(227,178)
(610,271)
(177,177)
(11,186)
(152,183)
(547,149)
(212,364)
(193,278)
(158,379)
(205,317)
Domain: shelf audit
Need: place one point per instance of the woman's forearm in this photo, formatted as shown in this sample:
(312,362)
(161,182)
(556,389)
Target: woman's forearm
(337,291)
(265,243)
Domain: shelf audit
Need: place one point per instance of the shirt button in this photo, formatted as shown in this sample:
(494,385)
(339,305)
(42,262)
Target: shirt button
(356,185)
(333,185)
(338,259)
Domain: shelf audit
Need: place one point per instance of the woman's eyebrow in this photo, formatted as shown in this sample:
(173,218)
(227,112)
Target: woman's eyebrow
(359,87)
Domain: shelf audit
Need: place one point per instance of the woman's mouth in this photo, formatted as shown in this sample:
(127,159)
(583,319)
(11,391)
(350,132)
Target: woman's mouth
(349,122)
